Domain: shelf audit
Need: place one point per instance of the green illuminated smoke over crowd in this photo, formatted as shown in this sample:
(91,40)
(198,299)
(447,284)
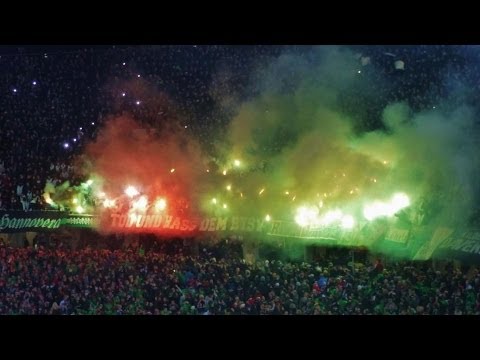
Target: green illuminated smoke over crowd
(301,147)
(307,148)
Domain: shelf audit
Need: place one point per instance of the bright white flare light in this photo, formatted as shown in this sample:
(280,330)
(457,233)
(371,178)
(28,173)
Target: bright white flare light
(386,209)
(160,205)
(347,222)
(306,215)
(309,216)
(131,191)
(376,209)
(140,204)
(400,201)
(108,203)
(331,217)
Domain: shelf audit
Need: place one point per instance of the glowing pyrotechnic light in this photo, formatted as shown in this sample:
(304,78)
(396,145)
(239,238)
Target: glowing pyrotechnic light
(400,201)
(172,170)
(306,215)
(351,192)
(320,204)
(208,170)
(374,180)
(236,163)
(241,194)
(385,162)
(75,200)
(268,218)
(224,206)
(373,210)
(140,204)
(89,182)
(324,194)
(229,187)
(66,145)
(331,217)
(261,191)
(386,209)
(131,191)
(214,200)
(347,222)
(287,193)
(108,203)
(294,198)
(224,172)
(79,209)
(160,205)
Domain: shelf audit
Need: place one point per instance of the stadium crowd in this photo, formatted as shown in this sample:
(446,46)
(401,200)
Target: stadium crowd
(169,279)
(52,104)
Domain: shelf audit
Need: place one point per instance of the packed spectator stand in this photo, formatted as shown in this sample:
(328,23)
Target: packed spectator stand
(169,278)
(53,102)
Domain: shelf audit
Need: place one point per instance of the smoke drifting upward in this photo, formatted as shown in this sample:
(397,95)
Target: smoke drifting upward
(433,155)
(160,166)
(299,141)
(304,138)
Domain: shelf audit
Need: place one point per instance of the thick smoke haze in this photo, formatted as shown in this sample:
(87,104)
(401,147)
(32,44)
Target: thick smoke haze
(297,130)
(313,127)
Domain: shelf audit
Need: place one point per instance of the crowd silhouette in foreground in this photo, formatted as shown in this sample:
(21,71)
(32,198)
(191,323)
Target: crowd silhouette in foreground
(167,278)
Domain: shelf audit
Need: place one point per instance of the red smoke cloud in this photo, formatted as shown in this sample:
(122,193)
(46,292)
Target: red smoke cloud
(127,153)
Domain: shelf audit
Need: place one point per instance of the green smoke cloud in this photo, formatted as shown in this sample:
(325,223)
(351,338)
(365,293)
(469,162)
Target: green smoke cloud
(303,139)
